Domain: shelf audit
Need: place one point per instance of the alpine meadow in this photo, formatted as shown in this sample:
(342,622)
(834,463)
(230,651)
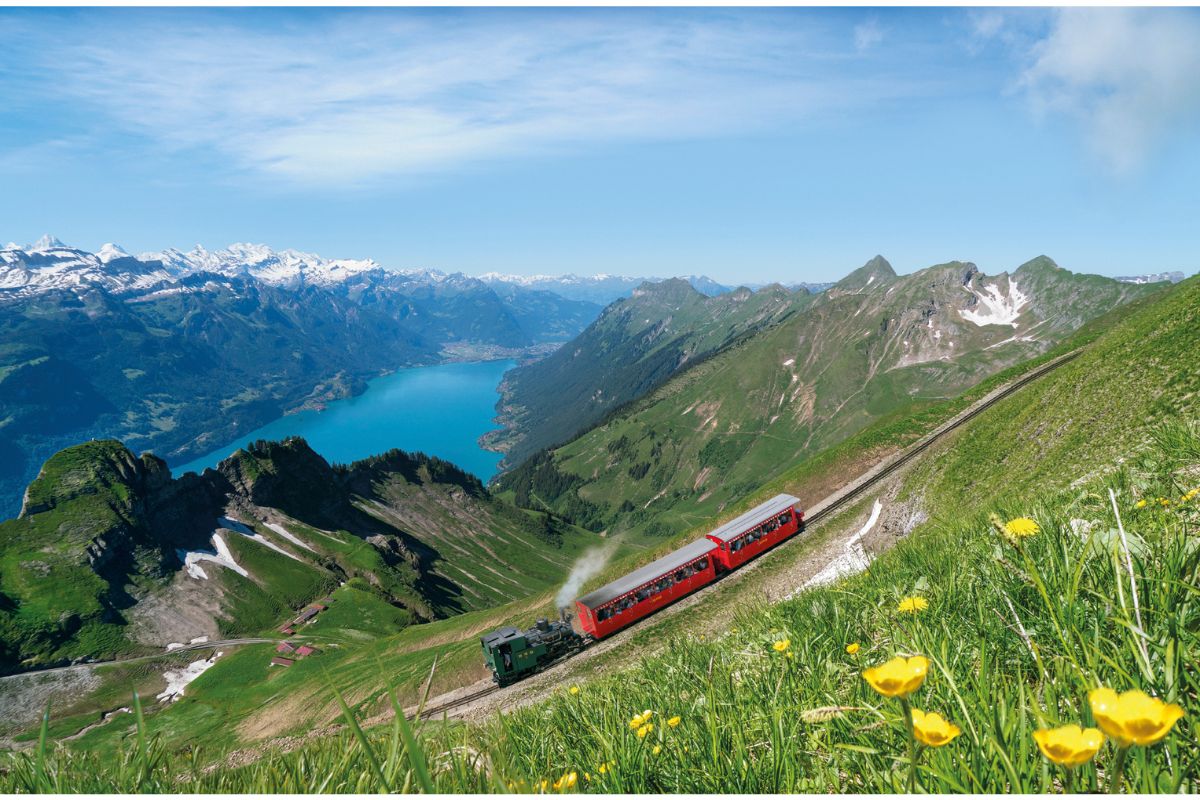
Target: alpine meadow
(769,514)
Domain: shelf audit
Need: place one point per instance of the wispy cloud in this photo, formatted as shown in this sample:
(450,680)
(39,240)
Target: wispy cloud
(1131,77)
(867,35)
(355,97)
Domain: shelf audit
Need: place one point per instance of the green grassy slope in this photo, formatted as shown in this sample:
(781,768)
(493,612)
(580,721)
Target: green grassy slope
(1016,636)
(873,348)
(636,344)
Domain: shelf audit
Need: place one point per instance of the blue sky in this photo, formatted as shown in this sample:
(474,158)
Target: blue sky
(749,145)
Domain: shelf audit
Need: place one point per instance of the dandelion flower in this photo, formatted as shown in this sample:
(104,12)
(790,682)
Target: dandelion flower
(912,605)
(673,722)
(636,722)
(645,730)
(1070,745)
(931,730)
(566,782)
(1139,504)
(574,690)
(852,648)
(1191,495)
(782,645)
(657,749)
(603,768)
(1022,528)
(1133,717)
(1164,502)
(899,677)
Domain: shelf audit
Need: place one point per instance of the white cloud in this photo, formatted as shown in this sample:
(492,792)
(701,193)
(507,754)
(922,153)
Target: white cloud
(1130,76)
(867,35)
(360,97)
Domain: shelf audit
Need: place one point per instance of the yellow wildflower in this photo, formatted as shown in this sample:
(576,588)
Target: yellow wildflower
(587,776)
(911,605)
(673,721)
(1133,717)
(782,645)
(1140,503)
(1164,502)
(657,749)
(636,722)
(1070,745)
(932,730)
(603,769)
(574,690)
(1021,528)
(852,648)
(1191,495)
(566,782)
(899,677)
(545,784)
(645,730)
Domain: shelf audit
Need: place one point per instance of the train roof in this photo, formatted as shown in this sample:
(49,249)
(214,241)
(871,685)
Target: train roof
(776,505)
(500,635)
(655,569)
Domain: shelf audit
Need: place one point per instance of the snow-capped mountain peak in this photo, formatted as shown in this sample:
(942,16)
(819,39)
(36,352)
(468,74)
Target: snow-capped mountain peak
(47,242)
(110,252)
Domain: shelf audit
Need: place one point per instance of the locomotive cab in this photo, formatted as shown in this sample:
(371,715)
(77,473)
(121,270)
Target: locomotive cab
(511,654)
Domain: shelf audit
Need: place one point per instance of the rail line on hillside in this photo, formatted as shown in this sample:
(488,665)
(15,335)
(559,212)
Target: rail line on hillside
(839,499)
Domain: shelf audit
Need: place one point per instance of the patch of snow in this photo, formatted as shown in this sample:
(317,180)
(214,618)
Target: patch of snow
(870,280)
(199,640)
(239,527)
(285,533)
(789,362)
(174,646)
(995,307)
(178,679)
(220,554)
(852,561)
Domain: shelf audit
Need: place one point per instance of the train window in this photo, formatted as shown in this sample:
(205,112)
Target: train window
(701,565)
(785,518)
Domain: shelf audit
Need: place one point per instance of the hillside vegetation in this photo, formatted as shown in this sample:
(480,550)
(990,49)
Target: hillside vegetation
(875,347)
(1019,620)
(111,555)
(637,343)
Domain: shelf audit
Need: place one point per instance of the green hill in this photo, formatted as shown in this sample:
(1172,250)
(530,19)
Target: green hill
(111,555)
(1016,637)
(875,347)
(637,343)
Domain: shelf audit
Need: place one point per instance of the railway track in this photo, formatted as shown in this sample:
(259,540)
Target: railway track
(826,507)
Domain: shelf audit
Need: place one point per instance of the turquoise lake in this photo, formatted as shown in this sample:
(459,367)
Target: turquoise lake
(440,410)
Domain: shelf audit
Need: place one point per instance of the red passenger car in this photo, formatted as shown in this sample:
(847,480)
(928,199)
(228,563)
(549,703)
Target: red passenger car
(759,529)
(660,583)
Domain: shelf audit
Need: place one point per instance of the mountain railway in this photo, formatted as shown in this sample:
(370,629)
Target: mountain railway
(512,654)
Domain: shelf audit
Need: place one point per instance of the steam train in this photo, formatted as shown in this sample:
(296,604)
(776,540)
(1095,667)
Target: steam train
(512,654)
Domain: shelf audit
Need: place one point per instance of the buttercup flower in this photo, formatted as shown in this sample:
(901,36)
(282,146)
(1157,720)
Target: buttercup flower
(911,605)
(782,645)
(673,721)
(645,730)
(852,648)
(657,749)
(1133,717)
(899,677)
(931,729)
(636,722)
(1140,503)
(1070,745)
(566,782)
(603,768)
(574,690)
(1022,528)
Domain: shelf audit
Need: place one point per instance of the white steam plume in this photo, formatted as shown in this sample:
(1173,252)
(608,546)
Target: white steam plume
(587,565)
